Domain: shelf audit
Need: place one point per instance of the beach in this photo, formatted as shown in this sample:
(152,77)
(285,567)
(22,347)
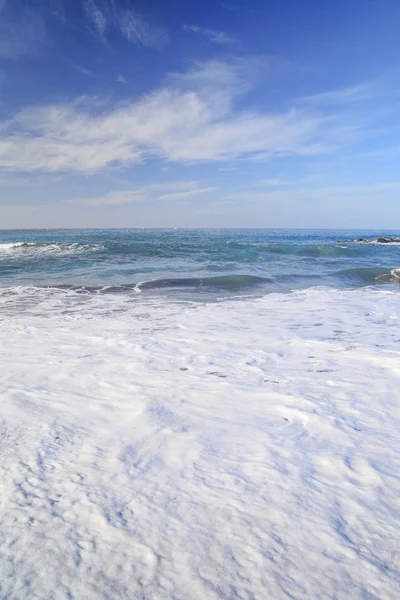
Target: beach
(246,448)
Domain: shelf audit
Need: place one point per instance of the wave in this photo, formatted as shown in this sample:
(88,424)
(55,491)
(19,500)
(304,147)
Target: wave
(223,282)
(234,283)
(48,247)
(392,277)
(369,276)
(7,247)
(292,249)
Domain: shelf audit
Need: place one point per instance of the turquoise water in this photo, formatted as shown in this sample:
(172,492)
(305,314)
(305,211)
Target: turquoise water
(195,264)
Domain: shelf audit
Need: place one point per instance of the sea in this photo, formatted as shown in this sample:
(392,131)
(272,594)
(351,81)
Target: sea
(199,414)
(186,265)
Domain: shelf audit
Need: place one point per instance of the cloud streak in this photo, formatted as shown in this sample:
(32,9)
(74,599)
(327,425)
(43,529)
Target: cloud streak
(82,70)
(136,30)
(96,16)
(192,119)
(213,35)
(107,17)
(347,95)
(188,194)
(176,190)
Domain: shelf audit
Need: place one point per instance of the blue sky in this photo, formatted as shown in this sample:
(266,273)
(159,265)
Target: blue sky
(277,113)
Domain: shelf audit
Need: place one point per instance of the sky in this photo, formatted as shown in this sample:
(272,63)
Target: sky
(231,113)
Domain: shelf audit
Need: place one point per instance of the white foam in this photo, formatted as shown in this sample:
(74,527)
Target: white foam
(49,248)
(393,243)
(7,247)
(243,449)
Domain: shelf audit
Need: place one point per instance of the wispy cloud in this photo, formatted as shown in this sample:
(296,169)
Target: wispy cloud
(350,94)
(136,30)
(187,194)
(121,79)
(107,16)
(194,118)
(213,35)
(176,190)
(230,6)
(83,70)
(96,16)
(57,9)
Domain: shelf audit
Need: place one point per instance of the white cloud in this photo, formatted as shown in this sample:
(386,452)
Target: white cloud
(96,16)
(213,35)
(83,70)
(135,29)
(191,119)
(175,190)
(121,79)
(188,194)
(129,22)
(222,78)
(354,93)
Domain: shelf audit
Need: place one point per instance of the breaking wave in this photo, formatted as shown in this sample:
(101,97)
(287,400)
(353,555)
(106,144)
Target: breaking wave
(369,276)
(48,248)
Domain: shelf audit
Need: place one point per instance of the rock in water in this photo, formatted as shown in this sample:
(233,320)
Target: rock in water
(396,275)
(383,240)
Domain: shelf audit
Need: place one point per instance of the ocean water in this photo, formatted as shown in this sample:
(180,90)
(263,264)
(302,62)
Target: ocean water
(199,415)
(189,265)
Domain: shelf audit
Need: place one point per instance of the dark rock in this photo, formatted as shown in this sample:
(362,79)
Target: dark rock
(383,240)
(396,274)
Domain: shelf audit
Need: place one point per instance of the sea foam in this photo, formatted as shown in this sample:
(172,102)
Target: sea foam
(49,248)
(246,449)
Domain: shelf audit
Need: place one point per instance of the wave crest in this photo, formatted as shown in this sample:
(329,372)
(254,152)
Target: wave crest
(224,282)
(48,247)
